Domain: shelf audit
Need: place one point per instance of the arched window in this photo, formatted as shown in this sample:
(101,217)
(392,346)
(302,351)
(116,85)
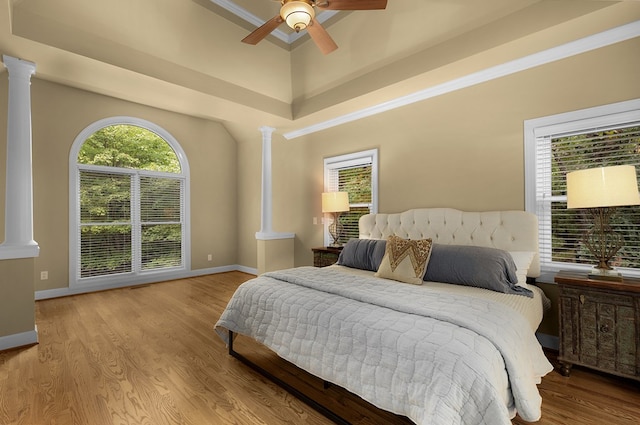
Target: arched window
(128,200)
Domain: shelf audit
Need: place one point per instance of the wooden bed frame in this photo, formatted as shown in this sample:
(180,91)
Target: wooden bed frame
(329,414)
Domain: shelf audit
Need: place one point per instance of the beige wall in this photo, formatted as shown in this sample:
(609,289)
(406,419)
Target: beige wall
(59,113)
(4,86)
(463,150)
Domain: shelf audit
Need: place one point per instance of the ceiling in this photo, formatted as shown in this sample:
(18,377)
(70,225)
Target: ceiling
(186,55)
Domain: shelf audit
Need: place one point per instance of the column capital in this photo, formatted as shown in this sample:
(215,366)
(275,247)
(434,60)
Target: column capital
(266,130)
(19,66)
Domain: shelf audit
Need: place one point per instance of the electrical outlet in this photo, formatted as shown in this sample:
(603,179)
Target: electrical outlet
(209,257)
(44,275)
(315,220)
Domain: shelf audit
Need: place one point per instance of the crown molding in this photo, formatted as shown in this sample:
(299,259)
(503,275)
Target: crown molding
(586,44)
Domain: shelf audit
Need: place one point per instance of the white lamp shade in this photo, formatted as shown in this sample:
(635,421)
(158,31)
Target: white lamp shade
(335,202)
(297,14)
(603,187)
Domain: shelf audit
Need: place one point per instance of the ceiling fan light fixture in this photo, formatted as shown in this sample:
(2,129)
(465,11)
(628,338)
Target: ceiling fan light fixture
(297,14)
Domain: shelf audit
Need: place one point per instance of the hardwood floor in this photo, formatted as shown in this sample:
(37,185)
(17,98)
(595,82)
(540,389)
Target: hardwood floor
(149,355)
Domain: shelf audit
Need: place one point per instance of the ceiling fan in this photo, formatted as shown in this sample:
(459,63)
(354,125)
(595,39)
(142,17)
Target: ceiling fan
(300,15)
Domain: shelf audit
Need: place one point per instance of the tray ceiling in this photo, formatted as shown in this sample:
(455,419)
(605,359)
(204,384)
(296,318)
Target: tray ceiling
(186,56)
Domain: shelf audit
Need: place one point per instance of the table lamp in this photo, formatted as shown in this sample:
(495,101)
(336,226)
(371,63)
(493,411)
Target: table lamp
(600,191)
(335,203)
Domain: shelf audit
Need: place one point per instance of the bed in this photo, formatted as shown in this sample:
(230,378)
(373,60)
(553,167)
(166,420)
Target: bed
(449,340)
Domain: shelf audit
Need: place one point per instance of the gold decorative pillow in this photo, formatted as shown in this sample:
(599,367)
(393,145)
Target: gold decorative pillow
(405,260)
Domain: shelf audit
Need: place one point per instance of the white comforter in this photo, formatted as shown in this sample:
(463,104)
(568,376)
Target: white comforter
(437,359)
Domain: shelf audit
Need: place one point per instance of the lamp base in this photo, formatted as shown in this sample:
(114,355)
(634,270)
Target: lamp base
(336,229)
(605,274)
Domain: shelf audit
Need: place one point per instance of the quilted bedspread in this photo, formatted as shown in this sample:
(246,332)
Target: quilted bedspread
(435,358)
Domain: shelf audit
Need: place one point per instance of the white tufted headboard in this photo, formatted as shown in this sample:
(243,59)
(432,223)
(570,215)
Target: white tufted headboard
(507,230)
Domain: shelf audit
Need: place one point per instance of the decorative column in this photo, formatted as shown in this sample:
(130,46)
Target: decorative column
(17,304)
(266,215)
(18,226)
(275,250)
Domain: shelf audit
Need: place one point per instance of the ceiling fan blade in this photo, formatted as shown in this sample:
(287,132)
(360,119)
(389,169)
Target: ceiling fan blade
(321,37)
(262,31)
(351,4)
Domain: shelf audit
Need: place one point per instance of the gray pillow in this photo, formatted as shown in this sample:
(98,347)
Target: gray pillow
(364,254)
(482,267)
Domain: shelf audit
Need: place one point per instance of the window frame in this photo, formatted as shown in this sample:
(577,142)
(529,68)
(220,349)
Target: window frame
(365,157)
(137,276)
(620,113)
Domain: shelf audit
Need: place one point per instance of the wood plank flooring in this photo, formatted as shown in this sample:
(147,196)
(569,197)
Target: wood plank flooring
(148,355)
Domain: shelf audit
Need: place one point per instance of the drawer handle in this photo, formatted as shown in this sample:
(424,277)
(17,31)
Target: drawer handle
(604,328)
(581,299)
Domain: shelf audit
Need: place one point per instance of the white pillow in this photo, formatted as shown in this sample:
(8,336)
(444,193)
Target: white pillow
(523,261)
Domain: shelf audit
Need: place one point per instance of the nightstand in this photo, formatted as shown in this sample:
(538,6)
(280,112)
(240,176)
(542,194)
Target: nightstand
(326,255)
(599,324)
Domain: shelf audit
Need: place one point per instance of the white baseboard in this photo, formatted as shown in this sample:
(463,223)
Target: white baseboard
(18,340)
(245,269)
(64,292)
(222,269)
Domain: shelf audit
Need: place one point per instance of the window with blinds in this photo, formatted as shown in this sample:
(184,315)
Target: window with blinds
(105,223)
(562,229)
(161,222)
(130,205)
(355,174)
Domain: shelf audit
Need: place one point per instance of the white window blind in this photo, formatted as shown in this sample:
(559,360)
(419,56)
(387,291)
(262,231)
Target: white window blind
(161,209)
(129,222)
(355,174)
(105,223)
(562,229)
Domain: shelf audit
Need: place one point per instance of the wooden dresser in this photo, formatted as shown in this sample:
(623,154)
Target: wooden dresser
(325,256)
(599,324)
